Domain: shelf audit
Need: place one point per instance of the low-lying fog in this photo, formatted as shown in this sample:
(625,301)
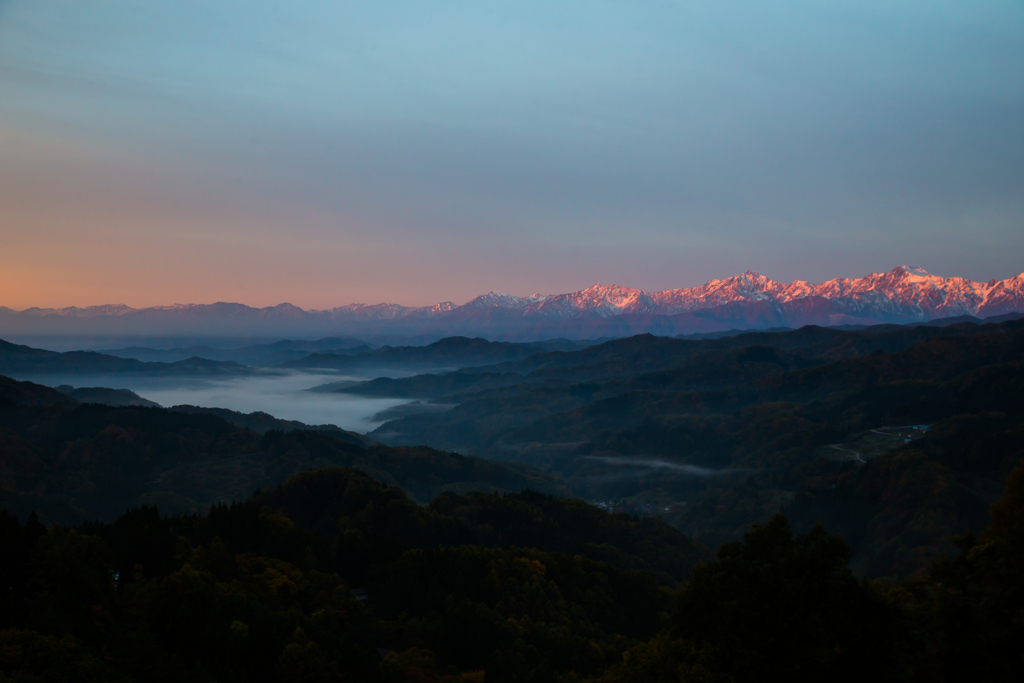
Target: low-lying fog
(281,394)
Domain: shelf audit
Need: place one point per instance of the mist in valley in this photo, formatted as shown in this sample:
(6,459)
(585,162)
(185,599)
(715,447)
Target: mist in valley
(284,394)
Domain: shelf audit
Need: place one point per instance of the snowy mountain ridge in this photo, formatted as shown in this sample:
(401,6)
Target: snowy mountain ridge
(903,291)
(746,301)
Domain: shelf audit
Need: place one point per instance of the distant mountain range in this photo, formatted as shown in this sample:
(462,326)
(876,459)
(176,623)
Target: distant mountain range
(748,301)
(260,355)
(448,353)
(24,361)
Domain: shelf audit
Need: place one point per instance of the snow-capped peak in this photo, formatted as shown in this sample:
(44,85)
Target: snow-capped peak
(902,294)
(498,300)
(910,270)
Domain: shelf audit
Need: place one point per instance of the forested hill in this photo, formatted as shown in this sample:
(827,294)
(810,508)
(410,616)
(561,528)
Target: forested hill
(25,361)
(14,393)
(450,352)
(70,462)
(261,422)
(248,593)
(718,434)
(318,500)
(109,397)
(642,354)
(332,576)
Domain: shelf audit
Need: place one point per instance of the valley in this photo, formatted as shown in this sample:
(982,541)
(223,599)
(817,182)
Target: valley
(711,434)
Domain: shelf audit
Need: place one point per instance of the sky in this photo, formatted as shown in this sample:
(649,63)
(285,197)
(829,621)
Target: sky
(330,152)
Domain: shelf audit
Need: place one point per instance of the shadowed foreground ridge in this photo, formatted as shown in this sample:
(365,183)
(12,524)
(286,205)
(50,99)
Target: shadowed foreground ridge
(779,607)
(361,584)
(156,598)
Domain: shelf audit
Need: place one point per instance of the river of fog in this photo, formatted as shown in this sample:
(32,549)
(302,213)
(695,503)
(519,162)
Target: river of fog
(284,395)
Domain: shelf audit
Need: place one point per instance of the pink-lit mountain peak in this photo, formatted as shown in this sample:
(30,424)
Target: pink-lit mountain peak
(906,271)
(750,283)
(499,300)
(597,301)
(909,285)
(750,279)
(903,294)
(748,286)
(614,295)
(906,289)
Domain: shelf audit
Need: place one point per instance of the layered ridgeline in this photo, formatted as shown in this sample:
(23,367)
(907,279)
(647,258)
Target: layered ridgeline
(750,300)
(22,360)
(333,574)
(256,355)
(898,437)
(70,461)
(338,568)
(448,353)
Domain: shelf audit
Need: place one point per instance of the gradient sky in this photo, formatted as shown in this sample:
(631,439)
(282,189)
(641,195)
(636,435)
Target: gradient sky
(322,153)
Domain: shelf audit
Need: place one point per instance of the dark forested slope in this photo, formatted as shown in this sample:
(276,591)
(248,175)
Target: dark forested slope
(336,576)
(782,607)
(446,353)
(717,434)
(71,461)
(332,576)
(25,361)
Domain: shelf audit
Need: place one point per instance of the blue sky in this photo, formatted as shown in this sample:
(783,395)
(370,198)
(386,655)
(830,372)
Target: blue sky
(329,152)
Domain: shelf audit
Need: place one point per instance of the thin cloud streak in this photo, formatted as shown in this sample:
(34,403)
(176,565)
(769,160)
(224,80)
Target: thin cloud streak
(655,464)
